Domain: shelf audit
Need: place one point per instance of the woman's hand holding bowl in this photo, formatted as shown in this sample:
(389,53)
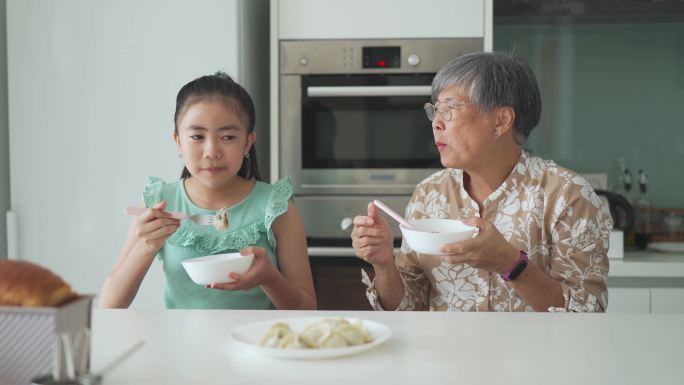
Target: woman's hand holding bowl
(488,251)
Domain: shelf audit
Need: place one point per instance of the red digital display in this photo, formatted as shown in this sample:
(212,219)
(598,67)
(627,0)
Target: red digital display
(381,57)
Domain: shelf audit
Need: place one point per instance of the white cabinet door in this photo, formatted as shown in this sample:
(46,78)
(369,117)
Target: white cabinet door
(667,300)
(380,19)
(629,300)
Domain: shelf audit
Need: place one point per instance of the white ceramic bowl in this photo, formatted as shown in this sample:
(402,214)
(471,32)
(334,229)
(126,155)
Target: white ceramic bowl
(215,268)
(432,234)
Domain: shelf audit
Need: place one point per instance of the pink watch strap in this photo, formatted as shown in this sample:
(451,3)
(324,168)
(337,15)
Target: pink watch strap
(515,269)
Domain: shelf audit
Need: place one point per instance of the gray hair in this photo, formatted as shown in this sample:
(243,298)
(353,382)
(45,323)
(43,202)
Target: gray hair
(495,79)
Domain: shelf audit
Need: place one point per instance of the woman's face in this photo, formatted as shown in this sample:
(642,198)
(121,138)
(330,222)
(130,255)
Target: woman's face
(467,138)
(213,139)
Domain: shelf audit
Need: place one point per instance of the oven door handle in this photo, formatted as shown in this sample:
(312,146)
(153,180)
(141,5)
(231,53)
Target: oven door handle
(378,91)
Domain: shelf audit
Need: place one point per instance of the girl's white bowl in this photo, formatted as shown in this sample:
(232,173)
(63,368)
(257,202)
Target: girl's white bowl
(434,233)
(215,268)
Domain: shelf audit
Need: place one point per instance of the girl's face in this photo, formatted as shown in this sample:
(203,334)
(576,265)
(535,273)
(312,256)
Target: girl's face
(468,137)
(213,140)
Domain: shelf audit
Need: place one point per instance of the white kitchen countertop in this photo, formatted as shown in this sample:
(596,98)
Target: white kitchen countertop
(647,264)
(192,347)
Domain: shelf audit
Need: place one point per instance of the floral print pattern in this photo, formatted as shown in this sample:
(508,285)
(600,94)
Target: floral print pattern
(548,211)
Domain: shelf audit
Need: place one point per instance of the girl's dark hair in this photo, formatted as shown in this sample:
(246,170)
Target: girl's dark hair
(220,85)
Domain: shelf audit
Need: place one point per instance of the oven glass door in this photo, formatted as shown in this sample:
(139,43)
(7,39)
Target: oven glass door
(367,121)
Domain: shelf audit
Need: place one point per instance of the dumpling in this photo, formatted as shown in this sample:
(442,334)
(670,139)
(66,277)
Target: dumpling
(333,339)
(328,333)
(357,323)
(275,334)
(353,335)
(313,334)
(221,220)
(291,341)
(336,333)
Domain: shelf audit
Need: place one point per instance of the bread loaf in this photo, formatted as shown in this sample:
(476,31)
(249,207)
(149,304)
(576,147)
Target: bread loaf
(24,283)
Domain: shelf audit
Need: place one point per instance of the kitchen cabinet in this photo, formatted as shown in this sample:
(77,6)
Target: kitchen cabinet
(338,283)
(667,300)
(629,300)
(381,19)
(646,300)
(646,282)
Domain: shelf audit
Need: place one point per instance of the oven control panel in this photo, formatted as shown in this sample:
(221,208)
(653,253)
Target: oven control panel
(310,57)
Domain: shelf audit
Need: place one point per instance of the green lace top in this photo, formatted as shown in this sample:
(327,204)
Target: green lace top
(249,224)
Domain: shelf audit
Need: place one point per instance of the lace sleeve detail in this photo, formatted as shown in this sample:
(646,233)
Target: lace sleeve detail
(153,191)
(277,205)
(209,241)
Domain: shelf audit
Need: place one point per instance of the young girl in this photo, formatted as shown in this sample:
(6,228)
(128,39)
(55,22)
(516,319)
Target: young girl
(214,132)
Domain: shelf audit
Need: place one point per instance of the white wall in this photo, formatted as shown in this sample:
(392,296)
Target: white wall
(92,90)
(4,139)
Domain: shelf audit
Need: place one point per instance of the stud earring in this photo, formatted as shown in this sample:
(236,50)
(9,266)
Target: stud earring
(180,156)
(247,155)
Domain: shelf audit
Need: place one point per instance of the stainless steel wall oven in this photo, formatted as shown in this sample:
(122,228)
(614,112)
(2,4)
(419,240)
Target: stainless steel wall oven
(352,125)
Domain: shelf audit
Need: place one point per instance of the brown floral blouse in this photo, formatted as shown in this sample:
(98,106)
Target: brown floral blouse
(543,209)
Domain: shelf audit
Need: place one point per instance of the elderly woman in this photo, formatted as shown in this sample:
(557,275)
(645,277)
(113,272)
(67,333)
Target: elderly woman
(543,233)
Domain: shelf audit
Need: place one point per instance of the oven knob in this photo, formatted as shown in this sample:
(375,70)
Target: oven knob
(347,224)
(303,61)
(413,60)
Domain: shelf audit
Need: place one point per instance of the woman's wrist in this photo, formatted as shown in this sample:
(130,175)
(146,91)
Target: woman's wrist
(385,268)
(510,259)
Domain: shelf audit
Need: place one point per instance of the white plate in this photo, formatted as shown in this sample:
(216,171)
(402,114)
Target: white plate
(667,247)
(249,336)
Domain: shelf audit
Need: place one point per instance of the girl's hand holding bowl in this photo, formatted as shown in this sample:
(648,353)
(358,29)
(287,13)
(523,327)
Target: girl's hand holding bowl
(259,273)
(217,268)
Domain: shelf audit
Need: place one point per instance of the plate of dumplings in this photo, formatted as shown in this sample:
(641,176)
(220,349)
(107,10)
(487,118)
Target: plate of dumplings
(311,337)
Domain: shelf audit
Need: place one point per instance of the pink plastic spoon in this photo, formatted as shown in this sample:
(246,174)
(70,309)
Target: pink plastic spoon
(394,215)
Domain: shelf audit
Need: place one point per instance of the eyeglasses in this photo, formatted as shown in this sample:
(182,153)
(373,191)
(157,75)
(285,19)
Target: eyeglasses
(444,109)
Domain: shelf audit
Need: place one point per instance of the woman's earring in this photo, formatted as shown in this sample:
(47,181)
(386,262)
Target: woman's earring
(180,156)
(247,155)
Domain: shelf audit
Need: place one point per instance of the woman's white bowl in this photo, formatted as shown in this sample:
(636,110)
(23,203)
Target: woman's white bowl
(215,268)
(433,233)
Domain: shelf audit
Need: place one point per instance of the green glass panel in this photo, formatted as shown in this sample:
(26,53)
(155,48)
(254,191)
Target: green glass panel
(609,91)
